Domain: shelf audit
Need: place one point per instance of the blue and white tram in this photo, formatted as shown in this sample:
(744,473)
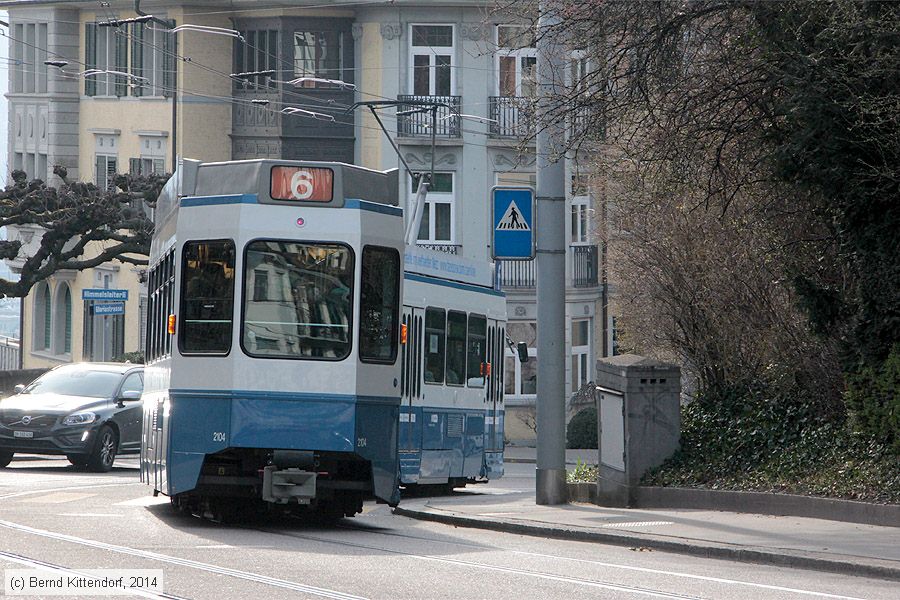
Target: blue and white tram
(451,417)
(273,338)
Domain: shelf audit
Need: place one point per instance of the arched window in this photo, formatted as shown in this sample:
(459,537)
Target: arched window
(62,324)
(42,317)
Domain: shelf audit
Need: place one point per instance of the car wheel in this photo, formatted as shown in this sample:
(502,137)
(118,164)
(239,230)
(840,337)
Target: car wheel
(79,460)
(5,458)
(104,454)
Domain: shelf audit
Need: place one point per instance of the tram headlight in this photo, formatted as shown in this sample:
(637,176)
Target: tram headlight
(80,418)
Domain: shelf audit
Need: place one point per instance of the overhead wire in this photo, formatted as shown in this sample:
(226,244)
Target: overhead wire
(188,60)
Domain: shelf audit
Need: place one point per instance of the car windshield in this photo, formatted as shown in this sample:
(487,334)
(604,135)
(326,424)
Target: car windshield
(76,382)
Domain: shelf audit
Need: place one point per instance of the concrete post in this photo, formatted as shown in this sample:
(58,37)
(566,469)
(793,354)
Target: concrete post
(638,422)
(550,486)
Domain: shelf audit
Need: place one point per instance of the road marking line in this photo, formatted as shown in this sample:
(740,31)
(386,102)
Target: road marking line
(65,489)
(689,576)
(453,561)
(282,583)
(104,515)
(58,498)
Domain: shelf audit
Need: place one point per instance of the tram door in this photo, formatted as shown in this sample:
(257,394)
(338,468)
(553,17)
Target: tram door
(411,379)
(494,387)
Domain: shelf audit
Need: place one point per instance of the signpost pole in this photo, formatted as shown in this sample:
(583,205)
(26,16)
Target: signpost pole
(550,485)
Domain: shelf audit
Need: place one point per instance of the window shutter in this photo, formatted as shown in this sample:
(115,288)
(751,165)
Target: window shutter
(121,59)
(159,166)
(67,342)
(110,171)
(170,49)
(100,172)
(137,57)
(134,166)
(90,57)
(47,319)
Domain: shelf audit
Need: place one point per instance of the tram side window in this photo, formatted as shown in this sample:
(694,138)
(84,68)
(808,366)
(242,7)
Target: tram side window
(456,348)
(298,300)
(435,339)
(160,289)
(207,297)
(477,351)
(379,305)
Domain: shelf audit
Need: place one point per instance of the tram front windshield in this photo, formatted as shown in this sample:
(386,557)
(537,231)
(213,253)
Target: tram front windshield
(298,300)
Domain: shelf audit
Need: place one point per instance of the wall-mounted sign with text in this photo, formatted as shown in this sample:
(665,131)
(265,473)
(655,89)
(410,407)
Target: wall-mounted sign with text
(104,294)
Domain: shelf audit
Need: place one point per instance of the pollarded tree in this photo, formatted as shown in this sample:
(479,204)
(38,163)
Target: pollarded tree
(72,217)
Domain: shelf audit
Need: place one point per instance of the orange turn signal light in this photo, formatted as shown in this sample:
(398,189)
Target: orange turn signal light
(171,327)
(403,333)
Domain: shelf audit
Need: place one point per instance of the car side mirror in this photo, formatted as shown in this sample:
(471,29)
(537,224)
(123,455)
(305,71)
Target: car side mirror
(522,349)
(19,388)
(128,396)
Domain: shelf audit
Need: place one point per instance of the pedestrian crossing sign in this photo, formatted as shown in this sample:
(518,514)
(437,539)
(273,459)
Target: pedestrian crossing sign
(512,218)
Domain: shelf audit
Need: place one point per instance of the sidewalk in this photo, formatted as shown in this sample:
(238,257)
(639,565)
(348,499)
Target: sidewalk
(797,542)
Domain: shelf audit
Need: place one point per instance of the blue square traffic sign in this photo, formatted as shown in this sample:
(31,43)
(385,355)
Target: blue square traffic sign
(512,219)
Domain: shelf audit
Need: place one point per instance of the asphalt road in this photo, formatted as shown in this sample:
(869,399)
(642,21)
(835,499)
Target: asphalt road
(56,516)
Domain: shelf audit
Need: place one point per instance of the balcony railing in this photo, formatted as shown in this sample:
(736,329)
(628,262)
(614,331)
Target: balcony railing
(523,273)
(518,273)
(512,116)
(585,266)
(588,122)
(445,248)
(419,124)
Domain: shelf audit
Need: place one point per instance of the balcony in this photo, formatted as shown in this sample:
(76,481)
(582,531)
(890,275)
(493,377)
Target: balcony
(585,266)
(517,273)
(419,124)
(588,122)
(445,248)
(512,117)
(522,274)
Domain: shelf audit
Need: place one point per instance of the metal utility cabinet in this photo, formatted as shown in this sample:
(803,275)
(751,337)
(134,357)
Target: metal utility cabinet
(639,422)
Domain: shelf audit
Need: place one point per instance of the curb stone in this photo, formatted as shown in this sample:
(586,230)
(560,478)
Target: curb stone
(749,554)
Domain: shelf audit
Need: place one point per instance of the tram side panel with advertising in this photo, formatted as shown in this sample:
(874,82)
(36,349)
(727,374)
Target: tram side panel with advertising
(273,337)
(452,416)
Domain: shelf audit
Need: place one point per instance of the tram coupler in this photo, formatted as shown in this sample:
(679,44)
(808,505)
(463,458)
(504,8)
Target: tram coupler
(283,486)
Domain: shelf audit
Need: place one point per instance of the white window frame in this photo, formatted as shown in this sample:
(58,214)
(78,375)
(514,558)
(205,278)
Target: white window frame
(153,61)
(517,371)
(437,198)
(518,54)
(107,83)
(580,220)
(582,354)
(431,52)
(105,182)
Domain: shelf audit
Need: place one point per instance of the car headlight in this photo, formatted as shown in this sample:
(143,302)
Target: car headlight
(82,418)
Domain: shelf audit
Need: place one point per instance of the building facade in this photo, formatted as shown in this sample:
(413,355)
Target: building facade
(453,52)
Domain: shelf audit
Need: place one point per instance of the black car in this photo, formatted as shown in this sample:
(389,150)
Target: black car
(88,411)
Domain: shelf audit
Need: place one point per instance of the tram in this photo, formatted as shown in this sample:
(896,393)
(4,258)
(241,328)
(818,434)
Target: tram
(285,370)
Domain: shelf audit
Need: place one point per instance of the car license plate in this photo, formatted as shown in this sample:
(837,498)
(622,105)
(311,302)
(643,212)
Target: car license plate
(23,434)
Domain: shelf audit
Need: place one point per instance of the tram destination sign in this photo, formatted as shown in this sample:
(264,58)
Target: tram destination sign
(103,294)
(310,184)
(512,219)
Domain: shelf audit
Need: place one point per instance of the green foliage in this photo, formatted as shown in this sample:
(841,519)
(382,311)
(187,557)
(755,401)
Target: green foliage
(874,403)
(582,473)
(757,440)
(131,357)
(582,429)
(836,143)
